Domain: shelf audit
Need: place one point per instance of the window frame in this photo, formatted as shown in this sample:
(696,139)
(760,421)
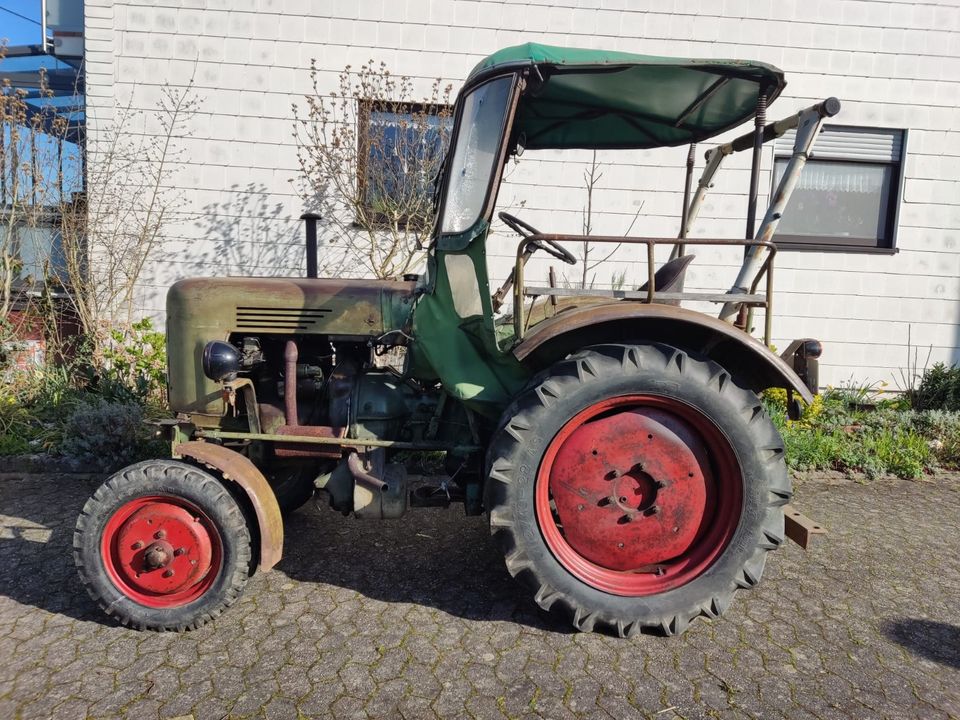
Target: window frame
(496,172)
(365,109)
(840,243)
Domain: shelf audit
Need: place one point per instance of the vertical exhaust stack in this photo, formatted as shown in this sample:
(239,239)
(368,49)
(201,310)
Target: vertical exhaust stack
(310,220)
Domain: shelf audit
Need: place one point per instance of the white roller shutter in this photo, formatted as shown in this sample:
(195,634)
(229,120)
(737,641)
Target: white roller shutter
(848,143)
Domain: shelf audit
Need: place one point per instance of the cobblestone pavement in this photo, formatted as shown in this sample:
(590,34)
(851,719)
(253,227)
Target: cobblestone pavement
(418,618)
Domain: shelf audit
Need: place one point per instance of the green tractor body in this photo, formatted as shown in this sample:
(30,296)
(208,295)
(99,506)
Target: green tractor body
(613,437)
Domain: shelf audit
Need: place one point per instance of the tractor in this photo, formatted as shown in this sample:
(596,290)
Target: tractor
(615,439)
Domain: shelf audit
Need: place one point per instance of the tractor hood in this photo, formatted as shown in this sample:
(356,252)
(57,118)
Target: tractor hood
(203,309)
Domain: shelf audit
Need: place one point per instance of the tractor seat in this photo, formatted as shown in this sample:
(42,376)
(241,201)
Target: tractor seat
(669,277)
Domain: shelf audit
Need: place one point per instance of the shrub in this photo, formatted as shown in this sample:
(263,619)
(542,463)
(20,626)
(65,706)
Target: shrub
(107,435)
(842,432)
(16,426)
(942,429)
(939,389)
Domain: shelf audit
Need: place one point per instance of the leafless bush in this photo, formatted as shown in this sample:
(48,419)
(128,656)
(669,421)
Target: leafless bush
(105,235)
(369,153)
(131,197)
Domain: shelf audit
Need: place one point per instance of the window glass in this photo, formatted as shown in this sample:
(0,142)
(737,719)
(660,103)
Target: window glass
(37,253)
(402,152)
(839,200)
(848,192)
(478,145)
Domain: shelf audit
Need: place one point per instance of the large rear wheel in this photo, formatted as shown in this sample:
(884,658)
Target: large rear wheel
(636,488)
(163,545)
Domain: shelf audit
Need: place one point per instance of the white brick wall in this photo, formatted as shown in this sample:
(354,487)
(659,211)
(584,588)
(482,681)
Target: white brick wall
(894,64)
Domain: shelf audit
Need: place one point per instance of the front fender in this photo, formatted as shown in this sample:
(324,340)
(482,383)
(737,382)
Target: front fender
(236,468)
(747,359)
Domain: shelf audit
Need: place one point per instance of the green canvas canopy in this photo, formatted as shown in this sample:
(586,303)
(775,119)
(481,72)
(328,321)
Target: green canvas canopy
(604,99)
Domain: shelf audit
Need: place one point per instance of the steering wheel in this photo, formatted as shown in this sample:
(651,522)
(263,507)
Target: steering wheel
(548,246)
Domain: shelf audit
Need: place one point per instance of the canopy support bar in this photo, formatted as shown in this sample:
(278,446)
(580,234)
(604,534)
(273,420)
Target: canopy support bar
(808,123)
(680,248)
(760,120)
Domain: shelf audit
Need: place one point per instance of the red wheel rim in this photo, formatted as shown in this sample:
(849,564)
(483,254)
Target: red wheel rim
(161,551)
(638,494)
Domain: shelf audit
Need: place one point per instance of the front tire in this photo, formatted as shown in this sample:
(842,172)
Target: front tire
(635,488)
(163,545)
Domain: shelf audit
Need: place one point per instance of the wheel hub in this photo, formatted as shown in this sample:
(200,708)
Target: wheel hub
(160,551)
(629,489)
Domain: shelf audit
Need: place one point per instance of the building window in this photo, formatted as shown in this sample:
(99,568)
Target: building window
(402,146)
(848,195)
(34,246)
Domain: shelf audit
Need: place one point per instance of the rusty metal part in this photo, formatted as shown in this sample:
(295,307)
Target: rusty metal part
(160,576)
(236,468)
(380,489)
(826,108)
(215,434)
(650,294)
(799,527)
(204,309)
(360,473)
(290,356)
(297,449)
(803,355)
(647,492)
(733,349)
(250,405)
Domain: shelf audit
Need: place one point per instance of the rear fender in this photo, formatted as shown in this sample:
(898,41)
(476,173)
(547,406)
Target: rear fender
(238,469)
(744,357)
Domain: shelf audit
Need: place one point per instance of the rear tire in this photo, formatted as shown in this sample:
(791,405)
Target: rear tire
(163,545)
(636,488)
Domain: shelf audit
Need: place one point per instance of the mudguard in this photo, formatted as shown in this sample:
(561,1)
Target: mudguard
(747,359)
(237,468)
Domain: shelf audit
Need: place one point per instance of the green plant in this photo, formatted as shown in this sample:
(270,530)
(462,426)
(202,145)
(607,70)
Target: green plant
(108,435)
(849,434)
(939,389)
(17,426)
(134,364)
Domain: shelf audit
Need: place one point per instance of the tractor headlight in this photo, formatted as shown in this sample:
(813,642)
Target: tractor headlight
(221,361)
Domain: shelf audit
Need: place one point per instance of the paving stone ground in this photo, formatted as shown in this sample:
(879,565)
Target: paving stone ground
(418,618)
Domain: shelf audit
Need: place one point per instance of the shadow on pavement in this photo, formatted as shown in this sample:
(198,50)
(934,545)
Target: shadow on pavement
(434,558)
(930,639)
(36,546)
(437,558)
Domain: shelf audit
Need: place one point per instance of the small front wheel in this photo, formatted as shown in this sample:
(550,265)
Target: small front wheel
(635,488)
(163,545)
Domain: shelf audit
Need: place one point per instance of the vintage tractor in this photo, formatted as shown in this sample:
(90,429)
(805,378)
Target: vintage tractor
(615,439)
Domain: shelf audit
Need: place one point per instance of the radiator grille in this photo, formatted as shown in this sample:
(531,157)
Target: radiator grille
(279,318)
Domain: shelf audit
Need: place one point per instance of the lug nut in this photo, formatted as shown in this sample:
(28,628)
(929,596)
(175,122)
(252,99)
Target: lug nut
(178,552)
(168,573)
(579,507)
(138,544)
(160,534)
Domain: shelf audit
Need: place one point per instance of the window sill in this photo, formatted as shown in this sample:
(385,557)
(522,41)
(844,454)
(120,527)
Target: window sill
(854,249)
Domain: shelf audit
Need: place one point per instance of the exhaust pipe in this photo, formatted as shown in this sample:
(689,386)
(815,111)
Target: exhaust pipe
(310,219)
